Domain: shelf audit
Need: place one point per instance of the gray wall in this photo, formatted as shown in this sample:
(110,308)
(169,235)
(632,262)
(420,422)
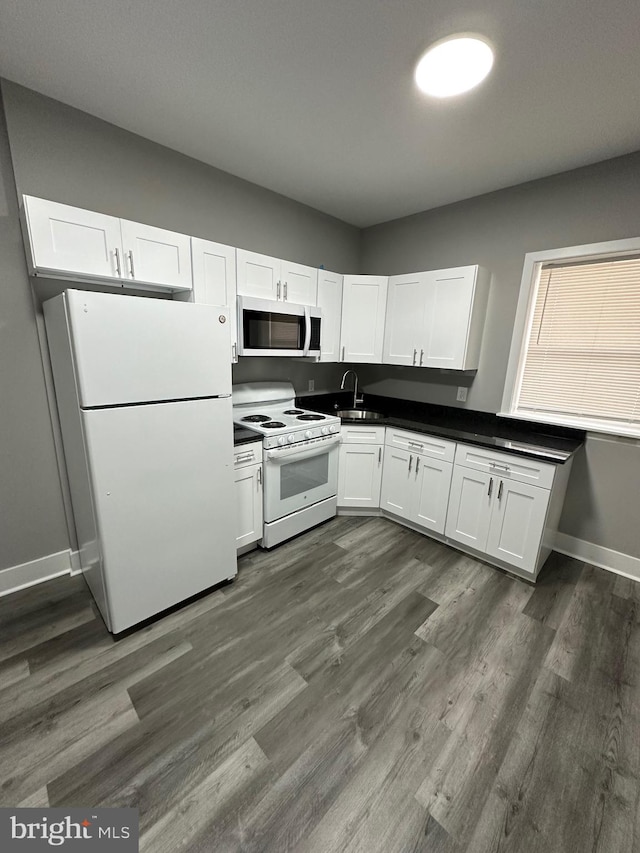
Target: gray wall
(69,156)
(588,205)
(32,521)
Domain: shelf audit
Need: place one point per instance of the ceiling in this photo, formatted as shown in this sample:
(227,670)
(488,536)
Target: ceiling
(315,98)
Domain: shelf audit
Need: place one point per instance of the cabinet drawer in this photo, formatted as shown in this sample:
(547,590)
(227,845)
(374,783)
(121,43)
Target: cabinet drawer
(417,442)
(362,434)
(247,454)
(506,465)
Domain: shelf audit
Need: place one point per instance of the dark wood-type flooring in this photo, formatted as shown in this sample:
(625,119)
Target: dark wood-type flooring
(362,688)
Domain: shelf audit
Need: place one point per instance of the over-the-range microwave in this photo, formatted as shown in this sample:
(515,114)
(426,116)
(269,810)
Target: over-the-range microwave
(277,328)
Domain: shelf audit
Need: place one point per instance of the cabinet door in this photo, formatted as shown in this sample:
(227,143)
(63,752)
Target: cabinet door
(155,256)
(258,275)
(70,240)
(397,492)
(330,301)
(214,281)
(433,482)
(469,510)
(517,524)
(404,319)
(447,317)
(364,301)
(248,487)
(299,283)
(359,475)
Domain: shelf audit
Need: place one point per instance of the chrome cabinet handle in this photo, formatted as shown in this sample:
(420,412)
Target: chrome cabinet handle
(133,275)
(117,254)
(417,465)
(260,475)
(278,290)
(379,456)
(421,356)
(415,353)
(500,489)
(284,289)
(490,487)
(410,463)
(342,354)
(504,468)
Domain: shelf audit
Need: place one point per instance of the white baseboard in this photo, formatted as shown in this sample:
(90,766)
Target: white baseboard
(36,571)
(604,558)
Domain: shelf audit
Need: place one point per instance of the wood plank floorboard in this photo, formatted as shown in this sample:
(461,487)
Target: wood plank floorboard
(360,689)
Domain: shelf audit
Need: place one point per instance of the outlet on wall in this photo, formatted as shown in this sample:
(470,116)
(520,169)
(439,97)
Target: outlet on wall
(462,394)
(312,385)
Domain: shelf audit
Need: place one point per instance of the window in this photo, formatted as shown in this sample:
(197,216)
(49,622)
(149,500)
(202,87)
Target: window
(575,354)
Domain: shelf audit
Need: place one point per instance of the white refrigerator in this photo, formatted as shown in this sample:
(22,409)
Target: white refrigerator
(143,389)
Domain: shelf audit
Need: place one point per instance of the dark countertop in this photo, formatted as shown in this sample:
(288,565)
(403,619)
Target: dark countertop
(545,442)
(243,435)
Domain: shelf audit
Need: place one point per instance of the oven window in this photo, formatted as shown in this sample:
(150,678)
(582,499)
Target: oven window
(266,330)
(296,478)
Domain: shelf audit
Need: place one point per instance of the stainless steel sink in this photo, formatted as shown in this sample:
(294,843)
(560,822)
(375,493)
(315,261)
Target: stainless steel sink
(360,414)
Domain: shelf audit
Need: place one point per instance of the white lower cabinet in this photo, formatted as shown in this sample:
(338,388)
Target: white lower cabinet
(416,481)
(517,524)
(248,494)
(360,467)
(495,509)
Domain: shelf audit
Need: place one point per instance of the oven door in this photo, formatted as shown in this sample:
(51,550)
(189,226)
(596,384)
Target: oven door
(297,477)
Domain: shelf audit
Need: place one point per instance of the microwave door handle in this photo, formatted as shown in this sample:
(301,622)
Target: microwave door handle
(307,331)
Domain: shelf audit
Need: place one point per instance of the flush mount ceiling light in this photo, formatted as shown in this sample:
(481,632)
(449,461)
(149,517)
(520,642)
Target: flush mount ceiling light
(454,65)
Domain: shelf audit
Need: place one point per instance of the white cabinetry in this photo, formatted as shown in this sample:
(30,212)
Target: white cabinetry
(248,494)
(435,319)
(360,467)
(71,243)
(364,301)
(65,241)
(330,301)
(505,506)
(416,478)
(155,256)
(214,281)
(264,277)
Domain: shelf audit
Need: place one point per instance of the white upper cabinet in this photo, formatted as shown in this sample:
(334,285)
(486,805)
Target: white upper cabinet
(271,278)
(403,334)
(364,302)
(72,243)
(330,301)
(435,319)
(155,256)
(299,283)
(214,281)
(258,275)
(454,317)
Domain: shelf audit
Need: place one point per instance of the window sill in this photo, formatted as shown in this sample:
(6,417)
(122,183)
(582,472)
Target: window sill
(587,424)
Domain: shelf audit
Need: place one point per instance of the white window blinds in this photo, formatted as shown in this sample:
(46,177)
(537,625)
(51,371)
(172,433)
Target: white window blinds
(582,358)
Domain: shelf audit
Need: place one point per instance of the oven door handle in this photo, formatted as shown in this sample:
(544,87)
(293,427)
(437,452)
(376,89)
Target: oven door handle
(307,331)
(291,454)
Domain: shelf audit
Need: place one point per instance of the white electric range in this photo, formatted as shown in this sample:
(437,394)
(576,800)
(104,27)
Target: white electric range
(300,458)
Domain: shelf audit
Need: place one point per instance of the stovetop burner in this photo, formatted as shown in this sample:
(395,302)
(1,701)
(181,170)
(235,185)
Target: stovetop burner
(310,417)
(292,412)
(257,419)
(273,425)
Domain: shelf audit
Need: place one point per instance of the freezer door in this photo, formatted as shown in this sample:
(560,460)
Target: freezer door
(162,483)
(130,349)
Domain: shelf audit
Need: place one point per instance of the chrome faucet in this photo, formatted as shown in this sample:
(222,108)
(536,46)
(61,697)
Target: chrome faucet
(356,400)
